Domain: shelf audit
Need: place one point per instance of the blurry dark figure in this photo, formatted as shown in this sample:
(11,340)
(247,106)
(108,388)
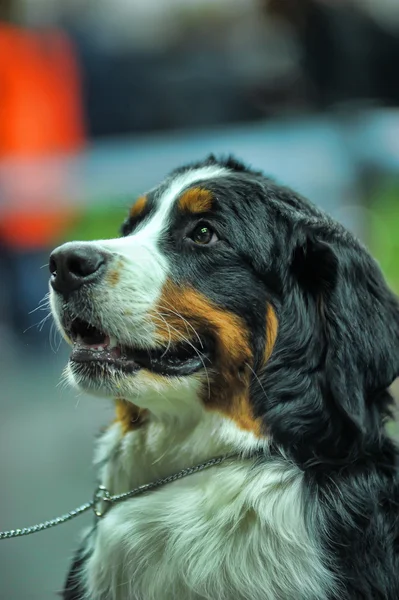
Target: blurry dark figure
(208,74)
(347,54)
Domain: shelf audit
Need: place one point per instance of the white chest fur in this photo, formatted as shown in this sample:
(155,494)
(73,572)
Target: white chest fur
(233,532)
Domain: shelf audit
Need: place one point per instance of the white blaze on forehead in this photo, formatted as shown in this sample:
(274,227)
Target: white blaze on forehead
(152,229)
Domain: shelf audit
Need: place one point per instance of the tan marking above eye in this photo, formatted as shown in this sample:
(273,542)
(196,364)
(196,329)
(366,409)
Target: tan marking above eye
(138,207)
(196,200)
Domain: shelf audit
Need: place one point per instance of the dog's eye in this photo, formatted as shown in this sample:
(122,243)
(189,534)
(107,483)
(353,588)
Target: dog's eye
(203,235)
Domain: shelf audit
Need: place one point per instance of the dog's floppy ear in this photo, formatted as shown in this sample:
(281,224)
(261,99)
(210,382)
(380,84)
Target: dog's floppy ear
(358,316)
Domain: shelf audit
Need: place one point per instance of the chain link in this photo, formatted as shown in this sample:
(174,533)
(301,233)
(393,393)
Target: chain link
(102,495)
(4,535)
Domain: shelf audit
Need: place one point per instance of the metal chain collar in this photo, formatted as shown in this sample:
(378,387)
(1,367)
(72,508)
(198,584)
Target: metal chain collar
(102,499)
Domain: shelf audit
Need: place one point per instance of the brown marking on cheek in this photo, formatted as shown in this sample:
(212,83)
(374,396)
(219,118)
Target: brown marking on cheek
(271,331)
(242,414)
(138,207)
(196,200)
(184,309)
(113,277)
(232,399)
(229,376)
(129,415)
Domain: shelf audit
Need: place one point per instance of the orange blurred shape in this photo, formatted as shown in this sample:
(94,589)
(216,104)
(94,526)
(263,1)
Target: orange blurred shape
(29,231)
(41,106)
(41,113)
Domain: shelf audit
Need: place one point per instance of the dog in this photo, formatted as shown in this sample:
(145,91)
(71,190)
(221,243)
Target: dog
(235,319)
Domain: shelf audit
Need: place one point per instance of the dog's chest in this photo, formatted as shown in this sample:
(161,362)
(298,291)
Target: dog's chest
(233,532)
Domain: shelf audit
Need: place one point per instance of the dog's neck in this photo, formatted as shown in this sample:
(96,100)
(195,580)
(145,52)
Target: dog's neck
(168,432)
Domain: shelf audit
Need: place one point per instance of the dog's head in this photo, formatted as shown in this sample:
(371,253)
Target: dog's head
(234,291)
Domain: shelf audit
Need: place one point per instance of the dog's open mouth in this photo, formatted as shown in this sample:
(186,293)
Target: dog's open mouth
(93,346)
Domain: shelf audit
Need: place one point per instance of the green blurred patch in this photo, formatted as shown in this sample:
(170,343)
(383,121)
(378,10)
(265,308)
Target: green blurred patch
(101,220)
(384,230)
(393,429)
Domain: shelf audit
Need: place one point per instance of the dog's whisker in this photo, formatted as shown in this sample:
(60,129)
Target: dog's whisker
(183,337)
(200,355)
(257,378)
(169,333)
(187,323)
(53,338)
(43,303)
(64,380)
(43,321)
(39,324)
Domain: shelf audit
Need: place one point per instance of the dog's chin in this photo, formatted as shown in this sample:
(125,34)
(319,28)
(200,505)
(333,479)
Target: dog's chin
(101,365)
(101,380)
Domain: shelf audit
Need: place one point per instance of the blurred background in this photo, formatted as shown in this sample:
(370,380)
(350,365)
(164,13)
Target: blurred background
(98,101)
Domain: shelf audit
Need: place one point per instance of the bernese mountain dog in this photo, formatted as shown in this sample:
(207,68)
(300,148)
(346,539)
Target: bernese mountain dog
(234,318)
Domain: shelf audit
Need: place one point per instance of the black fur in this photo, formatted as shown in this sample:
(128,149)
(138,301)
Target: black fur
(323,393)
(73,589)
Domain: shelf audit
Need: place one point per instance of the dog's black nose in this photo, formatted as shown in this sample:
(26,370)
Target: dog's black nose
(73,265)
